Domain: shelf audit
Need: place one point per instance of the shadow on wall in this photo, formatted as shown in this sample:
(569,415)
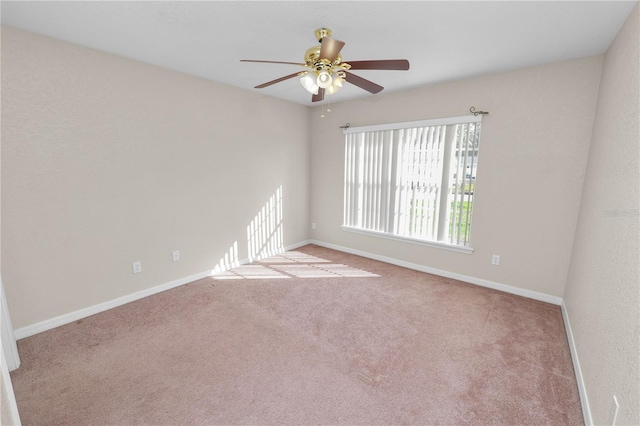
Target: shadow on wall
(264,236)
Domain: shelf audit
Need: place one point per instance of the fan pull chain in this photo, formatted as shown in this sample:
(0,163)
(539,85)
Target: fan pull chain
(328,109)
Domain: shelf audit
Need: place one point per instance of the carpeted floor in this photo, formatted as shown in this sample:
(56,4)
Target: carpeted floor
(313,336)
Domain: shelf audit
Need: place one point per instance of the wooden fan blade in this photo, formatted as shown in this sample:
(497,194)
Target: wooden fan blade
(277,80)
(319,96)
(363,83)
(385,64)
(271,62)
(330,48)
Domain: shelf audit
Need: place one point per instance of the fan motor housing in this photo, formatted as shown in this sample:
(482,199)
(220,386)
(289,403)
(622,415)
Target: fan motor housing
(312,59)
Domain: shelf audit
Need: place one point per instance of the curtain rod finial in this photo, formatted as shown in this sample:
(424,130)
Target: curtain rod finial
(473,111)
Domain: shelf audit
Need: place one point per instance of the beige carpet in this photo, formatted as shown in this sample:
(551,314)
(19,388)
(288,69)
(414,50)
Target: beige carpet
(313,336)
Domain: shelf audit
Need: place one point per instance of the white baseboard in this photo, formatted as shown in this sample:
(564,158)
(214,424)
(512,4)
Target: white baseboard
(555,300)
(58,321)
(49,324)
(298,245)
(582,390)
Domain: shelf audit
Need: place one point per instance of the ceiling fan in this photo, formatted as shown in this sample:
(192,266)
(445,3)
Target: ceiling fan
(325,72)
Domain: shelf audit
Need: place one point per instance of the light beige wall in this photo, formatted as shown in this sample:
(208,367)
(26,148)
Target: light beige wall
(533,154)
(106,161)
(602,297)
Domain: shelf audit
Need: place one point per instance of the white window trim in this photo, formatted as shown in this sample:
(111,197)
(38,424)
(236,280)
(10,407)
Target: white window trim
(421,123)
(433,244)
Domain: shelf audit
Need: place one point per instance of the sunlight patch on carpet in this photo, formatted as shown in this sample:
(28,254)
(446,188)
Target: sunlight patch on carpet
(323,271)
(249,272)
(346,271)
(292,264)
(305,271)
(294,257)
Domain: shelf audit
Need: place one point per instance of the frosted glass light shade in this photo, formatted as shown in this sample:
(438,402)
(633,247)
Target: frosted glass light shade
(335,86)
(309,83)
(324,79)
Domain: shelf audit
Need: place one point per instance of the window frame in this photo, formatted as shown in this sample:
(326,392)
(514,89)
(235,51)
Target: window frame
(467,249)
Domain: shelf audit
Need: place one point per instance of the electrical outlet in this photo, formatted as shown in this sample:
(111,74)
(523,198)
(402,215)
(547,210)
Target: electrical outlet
(495,260)
(137,267)
(175,255)
(313,225)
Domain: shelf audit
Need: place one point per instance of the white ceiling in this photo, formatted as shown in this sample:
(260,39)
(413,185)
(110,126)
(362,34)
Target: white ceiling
(442,40)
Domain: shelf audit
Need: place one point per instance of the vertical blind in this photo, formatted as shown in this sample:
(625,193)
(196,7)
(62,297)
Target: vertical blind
(413,180)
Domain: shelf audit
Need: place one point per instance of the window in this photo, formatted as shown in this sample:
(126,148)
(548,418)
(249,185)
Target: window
(414,181)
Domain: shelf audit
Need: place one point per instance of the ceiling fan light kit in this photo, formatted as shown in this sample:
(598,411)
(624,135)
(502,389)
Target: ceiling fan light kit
(337,84)
(324,79)
(326,72)
(309,83)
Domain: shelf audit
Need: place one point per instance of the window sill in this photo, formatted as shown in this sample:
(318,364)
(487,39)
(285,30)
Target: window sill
(434,244)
